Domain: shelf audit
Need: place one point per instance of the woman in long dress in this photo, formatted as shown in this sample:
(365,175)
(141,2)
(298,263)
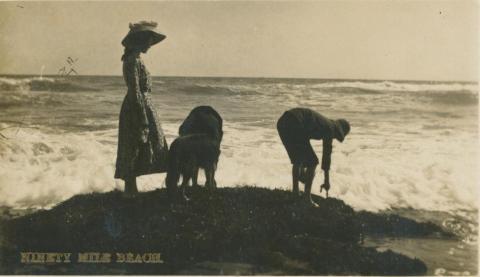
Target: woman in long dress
(142,148)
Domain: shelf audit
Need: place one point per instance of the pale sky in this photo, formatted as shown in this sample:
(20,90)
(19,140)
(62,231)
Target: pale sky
(414,40)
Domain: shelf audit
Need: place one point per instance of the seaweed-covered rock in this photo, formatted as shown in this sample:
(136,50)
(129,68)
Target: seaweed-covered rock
(392,225)
(265,231)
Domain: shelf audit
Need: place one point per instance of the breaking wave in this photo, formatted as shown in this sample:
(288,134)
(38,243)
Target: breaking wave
(400,86)
(43,84)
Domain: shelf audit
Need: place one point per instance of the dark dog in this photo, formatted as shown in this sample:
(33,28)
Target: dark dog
(189,153)
(197,147)
(203,120)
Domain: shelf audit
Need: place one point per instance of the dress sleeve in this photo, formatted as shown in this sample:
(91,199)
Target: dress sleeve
(327,152)
(131,71)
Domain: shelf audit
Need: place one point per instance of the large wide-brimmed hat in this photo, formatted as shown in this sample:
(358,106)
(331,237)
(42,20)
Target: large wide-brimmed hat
(140,32)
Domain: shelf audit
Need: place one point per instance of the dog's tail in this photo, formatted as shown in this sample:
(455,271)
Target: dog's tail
(173,174)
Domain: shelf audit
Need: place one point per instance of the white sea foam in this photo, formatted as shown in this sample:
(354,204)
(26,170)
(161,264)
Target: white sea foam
(41,168)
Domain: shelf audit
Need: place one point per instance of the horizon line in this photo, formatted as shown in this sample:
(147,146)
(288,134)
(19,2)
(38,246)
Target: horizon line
(246,77)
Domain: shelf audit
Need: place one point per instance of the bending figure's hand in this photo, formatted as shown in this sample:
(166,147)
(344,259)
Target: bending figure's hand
(325,186)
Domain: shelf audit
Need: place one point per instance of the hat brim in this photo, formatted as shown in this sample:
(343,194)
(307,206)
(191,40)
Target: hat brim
(138,38)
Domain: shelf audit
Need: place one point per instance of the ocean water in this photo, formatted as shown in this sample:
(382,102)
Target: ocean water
(413,146)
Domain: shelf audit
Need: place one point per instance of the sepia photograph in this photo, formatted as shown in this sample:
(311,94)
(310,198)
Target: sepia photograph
(239,137)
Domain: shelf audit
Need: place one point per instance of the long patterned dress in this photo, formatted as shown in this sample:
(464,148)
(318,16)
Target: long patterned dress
(134,157)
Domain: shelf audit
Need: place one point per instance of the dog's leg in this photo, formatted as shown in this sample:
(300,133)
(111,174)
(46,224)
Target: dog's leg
(185,181)
(187,171)
(210,176)
(207,178)
(214,169)
(296,169)
(195,177)
(214,182)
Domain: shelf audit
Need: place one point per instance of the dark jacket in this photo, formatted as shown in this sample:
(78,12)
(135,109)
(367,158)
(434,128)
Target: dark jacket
(317,126)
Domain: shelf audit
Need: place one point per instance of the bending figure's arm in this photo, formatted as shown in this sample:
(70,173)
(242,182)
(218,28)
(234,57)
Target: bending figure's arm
(326,161)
